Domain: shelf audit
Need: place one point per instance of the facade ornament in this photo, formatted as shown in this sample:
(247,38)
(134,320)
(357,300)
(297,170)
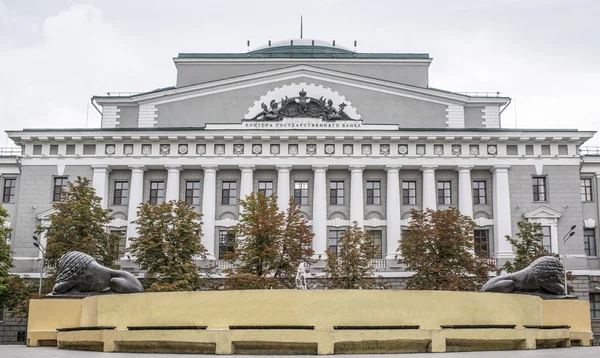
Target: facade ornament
(543,277)
(492,149)
(438,149)
(456,149)
(238,149)
(275,149)
(183,149)
(301,276)
(402,149)
(293,149)
(348,149)
(128,149)
(146,149)
(219,149)
(165,149)
(80,275)
(200,149)
(474,149)
(311,149)
(257,149)
(384,149)
(301,106)
(421,149)
(110,149)
(366,149)
(330,149)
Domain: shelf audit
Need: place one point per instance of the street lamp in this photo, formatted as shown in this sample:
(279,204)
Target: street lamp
(566,238)
(36,243)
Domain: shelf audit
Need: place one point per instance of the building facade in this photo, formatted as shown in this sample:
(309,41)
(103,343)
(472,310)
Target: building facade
(350,136)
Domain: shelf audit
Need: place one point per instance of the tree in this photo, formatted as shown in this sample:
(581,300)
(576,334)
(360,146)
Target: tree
(79,225)
(269,244)
(351,267)
(528,248)
(438,247)
(168,241)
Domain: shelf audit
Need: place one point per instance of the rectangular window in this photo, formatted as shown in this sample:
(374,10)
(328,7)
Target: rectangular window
(226,243)
(444,195)
(409,192)
(481,241)
(89,149)
(479,192)
(512,149)
(334,237)
(37,149)
(229,193)
(192,192)
(336,193)
(265,187)
(595,305)
(8,194)
(122,241)
(70,149)
(547,239)
(376,236)
(539,189)
(529,149)
(563,149)
(301,192)
(374,192)
(53,149)
(586,189)
(589,242)
(60,186)
(545,149)
(121,193)
(157,192)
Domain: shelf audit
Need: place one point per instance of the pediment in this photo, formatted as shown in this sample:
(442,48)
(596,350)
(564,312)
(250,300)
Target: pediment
(45,215)
(543,213)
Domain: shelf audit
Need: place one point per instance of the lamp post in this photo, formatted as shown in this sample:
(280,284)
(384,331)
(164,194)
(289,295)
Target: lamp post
(36,243)
(566,238)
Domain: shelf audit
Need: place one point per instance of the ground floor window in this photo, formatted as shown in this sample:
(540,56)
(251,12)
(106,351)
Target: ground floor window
(589,242)
(481,241)
(334,237)
(377,237)
(122,242)
(595,305)
(225,243)
(547,240)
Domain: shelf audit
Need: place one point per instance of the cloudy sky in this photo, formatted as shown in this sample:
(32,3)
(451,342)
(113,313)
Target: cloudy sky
(54,55)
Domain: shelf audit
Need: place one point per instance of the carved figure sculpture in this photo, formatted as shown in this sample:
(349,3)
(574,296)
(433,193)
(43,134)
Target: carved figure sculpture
(301,277)
(543,276)
(80,274)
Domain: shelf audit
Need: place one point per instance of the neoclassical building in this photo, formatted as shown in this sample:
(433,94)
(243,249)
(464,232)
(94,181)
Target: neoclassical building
(350,136)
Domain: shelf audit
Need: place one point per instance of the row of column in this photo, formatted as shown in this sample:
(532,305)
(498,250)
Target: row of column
(500,194)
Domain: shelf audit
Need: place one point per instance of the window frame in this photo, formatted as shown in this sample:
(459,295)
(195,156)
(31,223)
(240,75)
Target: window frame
(336,199)
(228,237)
(373,193)
(155,197)
(478,244)
(229,199)
(589,242)
(594,304)
(265,191)
(446,192)
(478,191)
(57,196)
(300,199)
(378,253)
(408,190)
(537,193)
(192,195)
(338,235)
(9,198)
(548,247)
(587,192)
(122,199)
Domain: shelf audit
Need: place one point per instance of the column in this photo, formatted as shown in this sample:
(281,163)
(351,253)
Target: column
(172,182)
(136,192)
(429,189)
(502,219)
(465,190)
(283,186)
(357,208)
(209,205)
(393,211)
(100,182)
(319,217)
(246,185)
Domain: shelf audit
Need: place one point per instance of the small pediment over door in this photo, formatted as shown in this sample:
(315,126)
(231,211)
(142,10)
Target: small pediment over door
(543,213)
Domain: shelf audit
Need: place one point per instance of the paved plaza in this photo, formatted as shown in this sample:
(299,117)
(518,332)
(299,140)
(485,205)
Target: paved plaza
(579,352)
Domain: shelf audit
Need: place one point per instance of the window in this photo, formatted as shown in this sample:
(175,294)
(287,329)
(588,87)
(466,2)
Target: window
(229,193)
(301,192)
(545,149)
(336,193)
(409,192)
(334,237)
(37,149)
(8,194)
(374,192)
(586,189)
(529,149)
(60,186)
(481,240)
(53,149)
(595,305)
(122,242)
(444,197)
(89,149)
(226,243)
(589,242)
(376,236)
(192,192)
(479,193)
(512,149)
(157,192)
(265,187)
(121,193)
(547,240)
(70,149)
(563,149)
(539,189)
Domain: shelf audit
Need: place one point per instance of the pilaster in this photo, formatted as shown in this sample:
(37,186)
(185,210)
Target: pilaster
(429,190)
(172,182)
(465,192)
(283,186)
(393,211)
(320,210)
(209,202)
(100,182)
(357,207)
(136,193)
(502,219)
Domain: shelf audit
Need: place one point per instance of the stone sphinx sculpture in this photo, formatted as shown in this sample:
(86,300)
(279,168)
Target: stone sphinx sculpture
(543,277)
(80,275)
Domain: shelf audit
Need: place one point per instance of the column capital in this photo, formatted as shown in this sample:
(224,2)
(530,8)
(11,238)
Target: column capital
(246,168)
(428,168)
(393,168)
(319,168)
(356,168)
(283,168)
(101,168)
(500,168)
(464,168)
(210,168)
(137,167)
(172,167)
